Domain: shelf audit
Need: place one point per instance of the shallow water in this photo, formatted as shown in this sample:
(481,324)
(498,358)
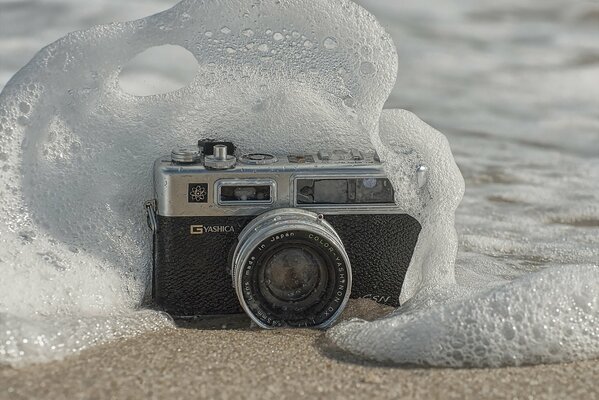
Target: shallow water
(514,88)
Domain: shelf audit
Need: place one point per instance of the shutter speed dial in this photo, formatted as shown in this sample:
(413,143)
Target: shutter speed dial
(185,155)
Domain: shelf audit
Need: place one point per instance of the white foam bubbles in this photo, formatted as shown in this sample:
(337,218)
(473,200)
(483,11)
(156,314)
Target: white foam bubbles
(406,143)
(75,156)
(76,150)
(482,319)
(548,316)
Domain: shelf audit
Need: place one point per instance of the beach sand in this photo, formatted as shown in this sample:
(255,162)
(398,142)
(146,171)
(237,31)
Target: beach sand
(195,361)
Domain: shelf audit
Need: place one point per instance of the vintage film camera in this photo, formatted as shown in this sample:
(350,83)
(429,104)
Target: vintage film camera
(285,238)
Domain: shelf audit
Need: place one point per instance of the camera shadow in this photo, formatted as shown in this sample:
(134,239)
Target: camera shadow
(364,309)
(218,322)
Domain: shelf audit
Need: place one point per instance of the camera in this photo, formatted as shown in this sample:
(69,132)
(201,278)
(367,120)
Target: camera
(287,239)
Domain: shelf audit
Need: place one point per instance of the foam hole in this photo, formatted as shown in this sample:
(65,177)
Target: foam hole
(158,70)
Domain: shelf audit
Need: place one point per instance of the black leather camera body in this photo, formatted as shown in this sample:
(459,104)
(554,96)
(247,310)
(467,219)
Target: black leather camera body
(286,239)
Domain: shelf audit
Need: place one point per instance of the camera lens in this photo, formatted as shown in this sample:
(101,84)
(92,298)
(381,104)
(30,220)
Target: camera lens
(291,269)
(292,276)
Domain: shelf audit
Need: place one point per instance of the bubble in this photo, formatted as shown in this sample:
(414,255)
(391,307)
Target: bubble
(263,47)
(308,44)
(278,36)
(330,43)
(349,101)
(367,68)
(24,107)
(248,32)
(509,331)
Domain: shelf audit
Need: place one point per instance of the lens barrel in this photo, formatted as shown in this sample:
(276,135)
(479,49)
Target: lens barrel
(290,268)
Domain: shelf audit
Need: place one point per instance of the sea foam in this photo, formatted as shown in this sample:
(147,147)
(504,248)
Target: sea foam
(76,150)
(75,158)
(476,320)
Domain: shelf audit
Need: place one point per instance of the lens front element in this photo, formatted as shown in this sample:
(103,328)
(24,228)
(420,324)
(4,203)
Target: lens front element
(291,269)
(292,273)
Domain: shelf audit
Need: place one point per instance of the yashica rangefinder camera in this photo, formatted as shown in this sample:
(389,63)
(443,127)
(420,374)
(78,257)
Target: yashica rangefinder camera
(286,238)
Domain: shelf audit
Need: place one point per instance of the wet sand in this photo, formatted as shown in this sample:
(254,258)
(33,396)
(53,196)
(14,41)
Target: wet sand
(195,362)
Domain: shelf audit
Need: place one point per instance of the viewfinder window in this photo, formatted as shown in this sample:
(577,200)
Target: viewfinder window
(345,191)
(240,192)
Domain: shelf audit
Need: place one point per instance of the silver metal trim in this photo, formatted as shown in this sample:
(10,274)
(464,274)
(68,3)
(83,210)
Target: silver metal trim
(219,184)
(275,222)
(324,155)
(150,207)
(171,182)
(220,152)
(356,154)
(214,163)
(185,155)
(421,175)
(220,159)
(268,159)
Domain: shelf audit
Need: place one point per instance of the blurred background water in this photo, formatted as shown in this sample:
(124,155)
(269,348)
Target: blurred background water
(514,85)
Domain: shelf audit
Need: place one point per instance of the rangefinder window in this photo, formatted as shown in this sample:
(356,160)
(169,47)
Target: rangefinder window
(239,192)
(344,191)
